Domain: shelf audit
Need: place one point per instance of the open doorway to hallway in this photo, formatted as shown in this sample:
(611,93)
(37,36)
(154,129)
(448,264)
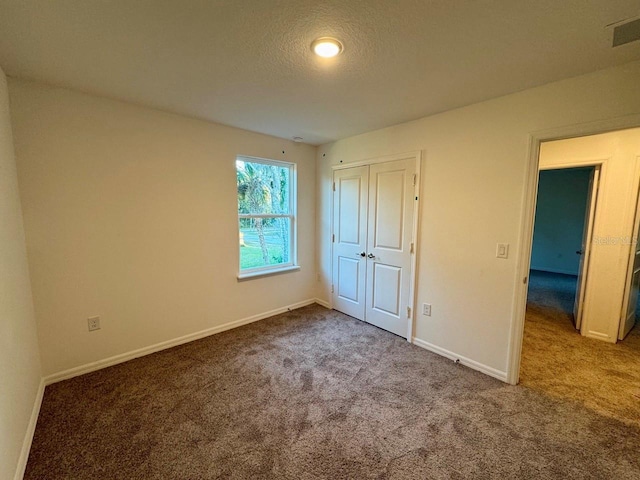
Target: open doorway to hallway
(582,283)
(562,235)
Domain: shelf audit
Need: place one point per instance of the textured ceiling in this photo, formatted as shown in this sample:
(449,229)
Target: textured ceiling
(248,63)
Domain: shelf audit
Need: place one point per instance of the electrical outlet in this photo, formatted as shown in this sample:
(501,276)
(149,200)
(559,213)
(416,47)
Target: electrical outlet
(94,323)
(426,309)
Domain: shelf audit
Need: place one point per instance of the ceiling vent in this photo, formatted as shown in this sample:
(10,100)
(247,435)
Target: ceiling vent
(626,33)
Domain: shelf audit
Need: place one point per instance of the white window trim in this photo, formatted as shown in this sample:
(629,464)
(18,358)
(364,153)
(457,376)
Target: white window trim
(292,265)
(267,273)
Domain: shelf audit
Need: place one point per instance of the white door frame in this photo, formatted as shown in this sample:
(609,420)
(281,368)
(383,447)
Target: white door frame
(527,218)
(413,279)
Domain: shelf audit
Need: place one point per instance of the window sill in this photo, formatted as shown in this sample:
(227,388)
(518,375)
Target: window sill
(267,273)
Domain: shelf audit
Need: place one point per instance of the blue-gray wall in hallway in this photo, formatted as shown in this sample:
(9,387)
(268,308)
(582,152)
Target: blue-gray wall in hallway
(559,221)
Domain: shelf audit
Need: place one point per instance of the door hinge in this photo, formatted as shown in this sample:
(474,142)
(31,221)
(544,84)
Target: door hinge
(333,238)
(334,186)
(408,312)
(331,288)
(411,251)
(414,179)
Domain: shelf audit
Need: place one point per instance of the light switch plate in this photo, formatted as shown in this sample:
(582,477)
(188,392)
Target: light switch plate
(502,250)
(426,309)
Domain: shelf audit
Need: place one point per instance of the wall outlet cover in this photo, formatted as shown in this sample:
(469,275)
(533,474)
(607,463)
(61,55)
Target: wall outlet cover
(93,323)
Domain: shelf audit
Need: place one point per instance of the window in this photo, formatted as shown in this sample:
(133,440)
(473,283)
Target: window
(266,215)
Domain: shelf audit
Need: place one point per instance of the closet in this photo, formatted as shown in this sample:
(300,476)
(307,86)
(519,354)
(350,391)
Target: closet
(373,242)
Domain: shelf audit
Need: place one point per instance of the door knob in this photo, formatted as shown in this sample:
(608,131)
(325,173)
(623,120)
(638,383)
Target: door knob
(362,254)
(579,252)
(371,255)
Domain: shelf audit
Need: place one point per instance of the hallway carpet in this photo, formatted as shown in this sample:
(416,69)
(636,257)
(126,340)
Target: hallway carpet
(314,394)
(559,362)
(553,291)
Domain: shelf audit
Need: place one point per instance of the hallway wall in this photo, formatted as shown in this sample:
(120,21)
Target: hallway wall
(559,223)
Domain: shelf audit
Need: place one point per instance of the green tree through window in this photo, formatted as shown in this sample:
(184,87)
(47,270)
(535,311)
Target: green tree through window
(265,213)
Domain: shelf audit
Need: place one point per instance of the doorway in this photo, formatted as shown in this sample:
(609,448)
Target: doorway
(374,227)
(594,293)
(563,228)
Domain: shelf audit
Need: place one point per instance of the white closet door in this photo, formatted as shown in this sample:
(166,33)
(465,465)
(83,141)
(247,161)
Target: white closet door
(350,240)
(390,224)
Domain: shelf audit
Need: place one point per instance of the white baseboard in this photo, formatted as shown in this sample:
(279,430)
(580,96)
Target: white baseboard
(28,436)
(601,336)
(124,357)
(492,372)
(323,303)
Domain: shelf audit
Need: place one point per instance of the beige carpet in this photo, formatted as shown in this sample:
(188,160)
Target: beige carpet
(558,361)
(314,394)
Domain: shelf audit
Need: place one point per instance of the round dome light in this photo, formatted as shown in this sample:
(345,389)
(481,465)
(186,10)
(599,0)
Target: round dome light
(327,47)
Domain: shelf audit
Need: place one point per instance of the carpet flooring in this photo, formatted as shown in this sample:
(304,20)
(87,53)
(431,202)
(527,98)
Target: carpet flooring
(315,394)
(559,362)
(553,292)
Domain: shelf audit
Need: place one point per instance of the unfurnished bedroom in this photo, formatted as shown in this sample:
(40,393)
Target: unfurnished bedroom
(319,239)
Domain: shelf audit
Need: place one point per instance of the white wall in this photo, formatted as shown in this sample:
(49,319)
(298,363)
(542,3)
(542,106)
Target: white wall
(559,223)
(472,187)
(19,359)
(618,154)
(131,214)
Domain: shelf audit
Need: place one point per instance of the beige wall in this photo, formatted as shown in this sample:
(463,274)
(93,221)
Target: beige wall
(131,214)
(19,359)
(473,179)
(618,155)
(123,206)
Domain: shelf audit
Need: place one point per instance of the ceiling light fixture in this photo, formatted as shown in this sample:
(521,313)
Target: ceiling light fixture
(327,47)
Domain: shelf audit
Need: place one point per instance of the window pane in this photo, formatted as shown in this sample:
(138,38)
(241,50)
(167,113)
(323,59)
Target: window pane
(264,242)
(262,188)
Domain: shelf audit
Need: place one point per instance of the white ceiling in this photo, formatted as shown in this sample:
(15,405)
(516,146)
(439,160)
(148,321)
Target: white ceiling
(248,63)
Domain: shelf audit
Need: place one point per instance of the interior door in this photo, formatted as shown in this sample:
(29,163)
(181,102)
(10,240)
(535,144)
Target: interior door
(389,244)
(630,309)
(578,306)
(350,240)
